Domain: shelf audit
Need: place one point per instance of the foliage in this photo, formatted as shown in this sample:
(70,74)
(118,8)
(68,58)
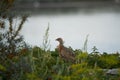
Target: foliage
(109,61)
(36,63)
(18,61)
(13,62)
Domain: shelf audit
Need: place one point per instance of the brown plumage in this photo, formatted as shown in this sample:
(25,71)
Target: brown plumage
(64,52)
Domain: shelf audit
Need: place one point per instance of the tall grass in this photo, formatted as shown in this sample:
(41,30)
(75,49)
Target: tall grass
(46,41)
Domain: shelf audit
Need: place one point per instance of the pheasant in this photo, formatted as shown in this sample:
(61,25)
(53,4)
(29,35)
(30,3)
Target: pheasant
(64,52)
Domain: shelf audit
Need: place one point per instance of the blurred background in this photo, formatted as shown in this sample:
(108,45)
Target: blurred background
(72,20)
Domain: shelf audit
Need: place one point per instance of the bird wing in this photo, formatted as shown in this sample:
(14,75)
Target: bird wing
(69,51)
(67,54)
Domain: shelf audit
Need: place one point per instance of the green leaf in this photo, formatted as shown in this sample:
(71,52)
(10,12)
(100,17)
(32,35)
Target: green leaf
(2,68)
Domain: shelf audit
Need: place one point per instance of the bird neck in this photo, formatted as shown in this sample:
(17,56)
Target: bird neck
(61,44)
(60,47)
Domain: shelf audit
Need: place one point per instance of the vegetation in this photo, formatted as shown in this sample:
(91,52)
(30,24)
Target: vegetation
(18,61)
(36,63)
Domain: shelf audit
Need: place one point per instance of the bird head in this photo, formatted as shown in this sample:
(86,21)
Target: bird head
(60,40)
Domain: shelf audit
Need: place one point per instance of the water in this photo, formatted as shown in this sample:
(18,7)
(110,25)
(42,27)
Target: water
(103,29)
